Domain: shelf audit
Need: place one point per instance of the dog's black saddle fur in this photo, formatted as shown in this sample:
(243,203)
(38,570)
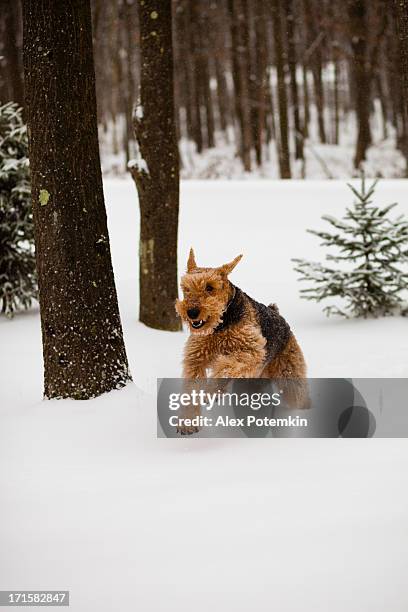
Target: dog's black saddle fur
(274,328)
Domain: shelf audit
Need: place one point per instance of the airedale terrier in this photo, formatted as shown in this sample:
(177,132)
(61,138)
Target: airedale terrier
(232,335)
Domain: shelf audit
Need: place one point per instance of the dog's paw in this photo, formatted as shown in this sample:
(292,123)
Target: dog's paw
(187,430)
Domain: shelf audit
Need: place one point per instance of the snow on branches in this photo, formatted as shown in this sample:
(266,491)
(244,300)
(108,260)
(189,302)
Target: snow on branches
(18,285)
(373,251)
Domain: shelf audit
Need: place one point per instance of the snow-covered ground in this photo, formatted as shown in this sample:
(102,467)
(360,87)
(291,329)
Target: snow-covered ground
(91,501)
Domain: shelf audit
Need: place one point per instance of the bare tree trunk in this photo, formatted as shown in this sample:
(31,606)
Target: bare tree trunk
(240,77)
(84,353)
(193,69)
(317,71)
(284,157)
(259,79)
(306,102)
(314,58)
(222,95)
(130,81)
(201,53)
(401,10)
(292,61)
(184,69)
(157,180)
(13,67)
(358,32)
(401,13)
(336,131)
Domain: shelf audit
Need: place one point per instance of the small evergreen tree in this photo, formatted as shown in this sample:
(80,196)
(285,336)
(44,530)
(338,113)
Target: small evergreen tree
(18,285)
(376,249)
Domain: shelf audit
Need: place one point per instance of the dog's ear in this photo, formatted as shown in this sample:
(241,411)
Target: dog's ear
(191,262)
(228,267)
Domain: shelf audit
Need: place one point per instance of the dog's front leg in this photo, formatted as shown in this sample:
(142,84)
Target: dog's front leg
(195,365)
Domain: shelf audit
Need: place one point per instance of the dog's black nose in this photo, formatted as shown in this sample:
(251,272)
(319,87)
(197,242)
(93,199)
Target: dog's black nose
(193,312)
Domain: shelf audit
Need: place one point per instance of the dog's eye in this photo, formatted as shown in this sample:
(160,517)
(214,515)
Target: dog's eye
(209,288)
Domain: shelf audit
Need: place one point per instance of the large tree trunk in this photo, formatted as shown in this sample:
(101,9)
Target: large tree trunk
(284,157)
(157,179)
(84,353)
(361,79)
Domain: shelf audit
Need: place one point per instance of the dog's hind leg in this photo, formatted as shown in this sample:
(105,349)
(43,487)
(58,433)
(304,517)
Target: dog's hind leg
(289,363)
(289,367)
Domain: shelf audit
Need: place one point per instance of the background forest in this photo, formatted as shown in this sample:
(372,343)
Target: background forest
(267,87)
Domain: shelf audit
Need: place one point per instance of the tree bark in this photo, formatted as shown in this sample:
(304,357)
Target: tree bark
(240,78)
(157,180)
(192,75)
(315,37)
(202,68)
(284,157)
(358,31)
(401,11)
(84,353)
(292,61)
(12,53)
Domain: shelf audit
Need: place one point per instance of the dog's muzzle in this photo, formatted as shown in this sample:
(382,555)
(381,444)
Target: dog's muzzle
(197,324)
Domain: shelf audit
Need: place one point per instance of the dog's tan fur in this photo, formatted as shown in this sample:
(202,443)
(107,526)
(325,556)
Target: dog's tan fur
(239,351)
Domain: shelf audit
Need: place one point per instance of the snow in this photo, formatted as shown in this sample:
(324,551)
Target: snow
(91,501)
(139,164)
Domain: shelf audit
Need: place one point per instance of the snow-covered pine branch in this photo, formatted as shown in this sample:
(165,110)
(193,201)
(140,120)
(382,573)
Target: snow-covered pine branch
(18,284)
(376,249)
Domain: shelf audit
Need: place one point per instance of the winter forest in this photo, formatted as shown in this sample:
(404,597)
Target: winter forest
(285,88)
(132,131)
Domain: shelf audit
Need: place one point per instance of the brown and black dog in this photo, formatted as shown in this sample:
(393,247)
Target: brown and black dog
(232,335)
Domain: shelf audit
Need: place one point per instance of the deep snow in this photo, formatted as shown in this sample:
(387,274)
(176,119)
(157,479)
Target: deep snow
(91,501)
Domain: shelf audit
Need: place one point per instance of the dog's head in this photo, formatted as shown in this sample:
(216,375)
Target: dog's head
(206,293)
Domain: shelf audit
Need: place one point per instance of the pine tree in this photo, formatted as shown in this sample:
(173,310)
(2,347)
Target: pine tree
(18,284)
(375,248)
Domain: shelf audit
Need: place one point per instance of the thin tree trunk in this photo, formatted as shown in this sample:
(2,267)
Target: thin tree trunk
(306,102)
(336,131)
(292,61)
(222,95)
(84,353)
(201,52)
(260,77)
(191,61)
(130,82)
(183,69)
(401,10)
(314,58)
(358,31)
(158,180)
(317,71)
(284,157)
(383,102)
(13,68)
(240,77)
